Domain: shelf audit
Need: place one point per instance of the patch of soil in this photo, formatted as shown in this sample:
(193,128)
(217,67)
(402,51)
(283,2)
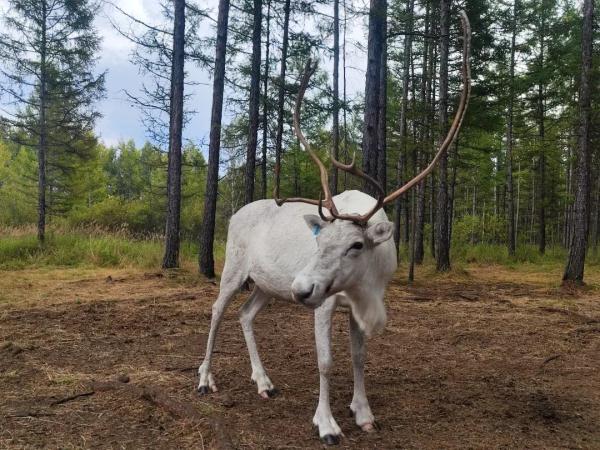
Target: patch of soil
(462,364)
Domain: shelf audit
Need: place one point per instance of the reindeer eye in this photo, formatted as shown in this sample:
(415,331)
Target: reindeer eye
(357,246)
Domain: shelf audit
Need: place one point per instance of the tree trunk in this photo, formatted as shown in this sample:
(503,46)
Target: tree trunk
(253,117)
(512,240)
(171,258)
(43,144)
(336,94)
(265,124)
(207,264)
(542,182)
(569,185)
(542,160)
(419,252)
(345,118)
(401,204)
(451,196)
(443,245)
(382,124)
(578,247)
(431,120)
(281,97)
(377,21)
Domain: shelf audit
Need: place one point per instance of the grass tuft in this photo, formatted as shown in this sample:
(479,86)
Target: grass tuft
(80,249)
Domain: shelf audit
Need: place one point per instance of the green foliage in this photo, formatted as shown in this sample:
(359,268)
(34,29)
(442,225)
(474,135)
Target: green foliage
(117,189)
(478,229)
(17,185)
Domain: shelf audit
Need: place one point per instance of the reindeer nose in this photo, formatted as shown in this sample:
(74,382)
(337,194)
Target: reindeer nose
(302,293)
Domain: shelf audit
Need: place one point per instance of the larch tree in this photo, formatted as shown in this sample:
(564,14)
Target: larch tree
(173,220)
(265,102)
(335,129)
(253,112)
(423,143)
(206,257)
(382,113)
(512,233)
(442,241)
(578,245)
(161,51)
(371,130)
(49,50)
(401,204)
(281,93)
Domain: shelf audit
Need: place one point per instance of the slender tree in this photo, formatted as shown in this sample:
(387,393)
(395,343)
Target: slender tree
(382,114)
(512,234)
(442,242)
(253,103)
(207,263)
(281,92)
(265,124)
(335,129)
(578,244)
(377,25)
(419,251)
(172,232)
(400,204)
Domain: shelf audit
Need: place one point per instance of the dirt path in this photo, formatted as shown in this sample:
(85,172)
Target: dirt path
(107,359)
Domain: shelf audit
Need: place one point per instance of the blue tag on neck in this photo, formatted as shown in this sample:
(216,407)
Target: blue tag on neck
(316,230)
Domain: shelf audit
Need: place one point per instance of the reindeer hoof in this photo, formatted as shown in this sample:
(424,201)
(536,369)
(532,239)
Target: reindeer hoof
(272,393)
(269,393)
(203,390)
(369,427)
(330,439)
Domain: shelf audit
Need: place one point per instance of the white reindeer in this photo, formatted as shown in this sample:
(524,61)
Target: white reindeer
(346,258)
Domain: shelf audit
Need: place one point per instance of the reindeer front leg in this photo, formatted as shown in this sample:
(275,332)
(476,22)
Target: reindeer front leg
(360,405)
(329,431)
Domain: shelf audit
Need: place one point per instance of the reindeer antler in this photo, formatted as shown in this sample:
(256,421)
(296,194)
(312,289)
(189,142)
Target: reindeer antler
(309,70)
(351,168)
(458,118)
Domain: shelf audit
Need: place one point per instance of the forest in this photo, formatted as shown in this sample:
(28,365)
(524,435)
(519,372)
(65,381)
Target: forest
(508,185)
(509,217)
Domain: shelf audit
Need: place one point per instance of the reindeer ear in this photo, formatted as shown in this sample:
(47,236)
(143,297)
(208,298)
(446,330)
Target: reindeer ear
(315,223)
(380,232)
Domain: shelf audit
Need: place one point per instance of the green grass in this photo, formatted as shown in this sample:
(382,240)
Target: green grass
(20,249)
(525,254)
(489,254)
(85,250)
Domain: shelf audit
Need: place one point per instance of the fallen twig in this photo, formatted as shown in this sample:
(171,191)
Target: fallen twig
(575,315)
(29,414)
(468,297)
(60,401)
(181,369)
(551,358)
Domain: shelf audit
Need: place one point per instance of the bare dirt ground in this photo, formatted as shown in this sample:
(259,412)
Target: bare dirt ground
(491,358)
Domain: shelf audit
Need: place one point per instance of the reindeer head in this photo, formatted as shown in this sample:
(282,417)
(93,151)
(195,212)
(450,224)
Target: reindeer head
(345,250)
(346,242)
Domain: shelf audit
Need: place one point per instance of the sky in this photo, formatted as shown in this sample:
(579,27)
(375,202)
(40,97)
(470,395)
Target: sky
(121,121)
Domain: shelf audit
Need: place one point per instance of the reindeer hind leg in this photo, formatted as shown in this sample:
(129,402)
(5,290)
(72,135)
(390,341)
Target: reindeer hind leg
(231,282)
